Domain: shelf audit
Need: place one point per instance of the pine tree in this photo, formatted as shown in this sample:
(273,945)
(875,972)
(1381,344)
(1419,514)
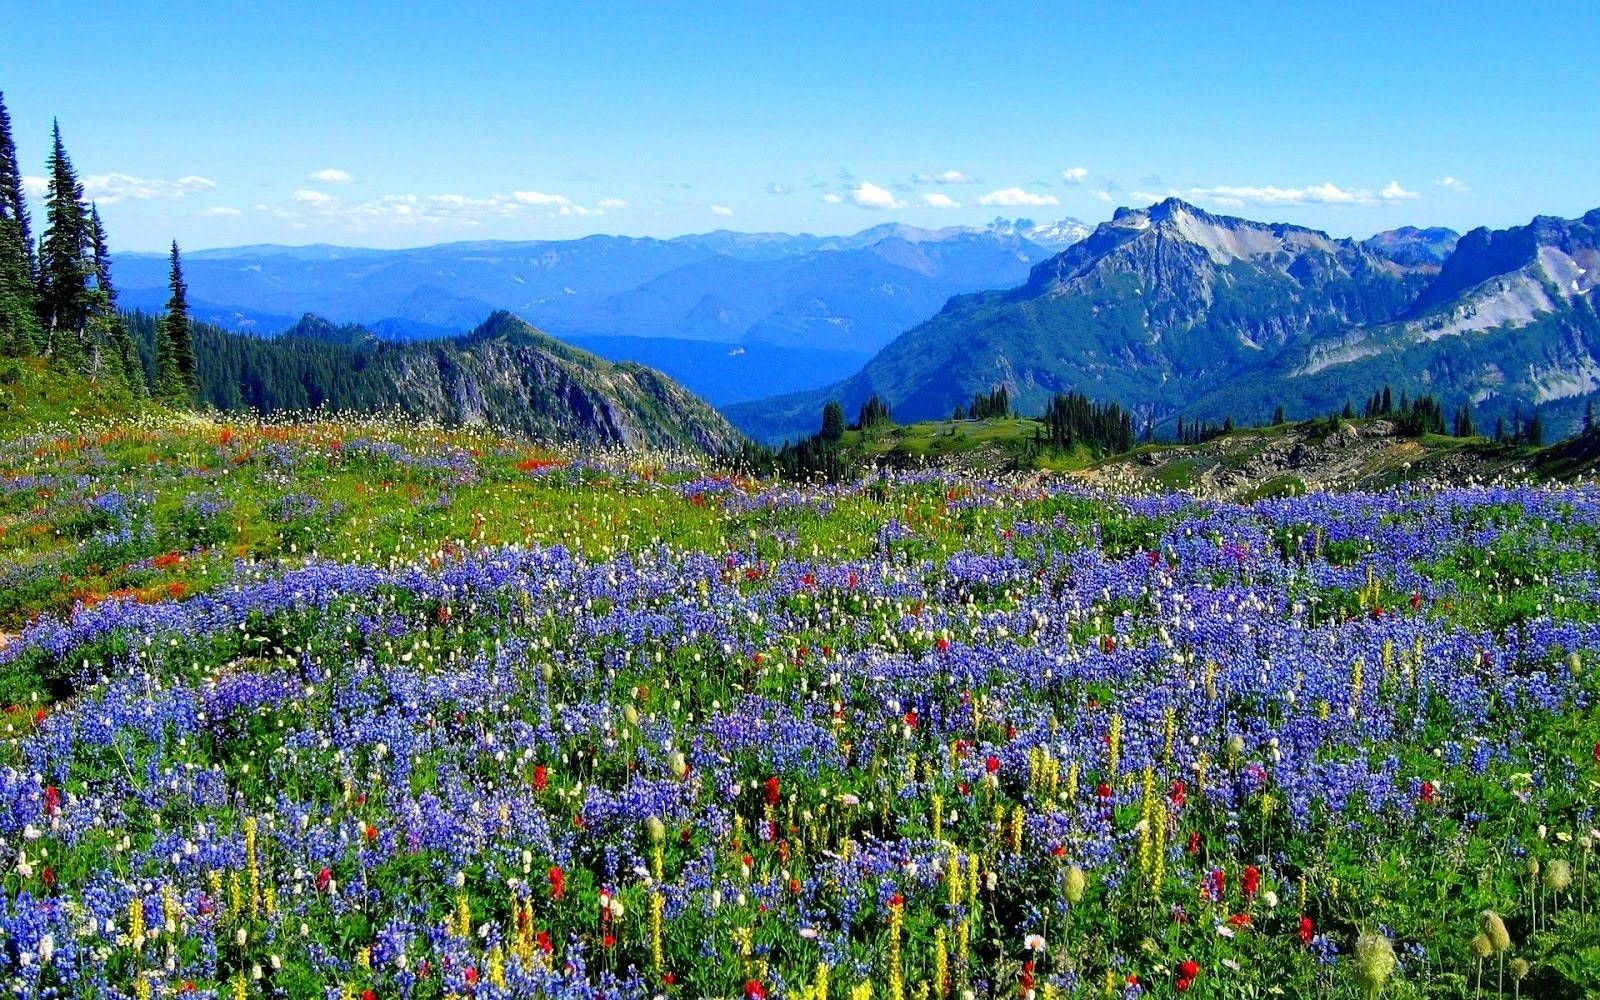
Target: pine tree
(19,326)
(174,342)
(1387,406)
(13,204)
(1534,434)
(832,421)
(110,344)
(63,267)
(1277,415)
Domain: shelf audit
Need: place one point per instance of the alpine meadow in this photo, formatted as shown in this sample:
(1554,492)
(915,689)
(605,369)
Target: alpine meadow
(690,500)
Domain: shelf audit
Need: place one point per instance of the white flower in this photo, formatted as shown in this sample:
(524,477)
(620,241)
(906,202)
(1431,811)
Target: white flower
(1034,943)
(809,933)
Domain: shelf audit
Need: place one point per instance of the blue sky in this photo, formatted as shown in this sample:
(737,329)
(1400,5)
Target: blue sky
(383,125)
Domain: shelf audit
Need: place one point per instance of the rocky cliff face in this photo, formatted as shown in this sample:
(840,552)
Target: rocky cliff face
(504,374)
(1510,323)
(507,374)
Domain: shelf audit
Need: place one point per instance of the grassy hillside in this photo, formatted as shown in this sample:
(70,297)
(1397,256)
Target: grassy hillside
(33,394)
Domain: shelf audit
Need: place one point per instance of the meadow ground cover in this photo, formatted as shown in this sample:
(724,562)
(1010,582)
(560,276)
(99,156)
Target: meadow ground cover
(365,710)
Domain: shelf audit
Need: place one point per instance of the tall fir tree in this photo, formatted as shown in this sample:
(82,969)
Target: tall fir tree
(1533,433)
(64,267)
(13,203)
(832,421)
(19,326)
(110,341)
(174,342)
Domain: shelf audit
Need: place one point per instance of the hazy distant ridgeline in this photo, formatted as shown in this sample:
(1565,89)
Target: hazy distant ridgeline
(804,309)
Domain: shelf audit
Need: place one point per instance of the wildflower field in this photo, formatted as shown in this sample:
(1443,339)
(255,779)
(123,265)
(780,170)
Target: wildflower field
(370,711)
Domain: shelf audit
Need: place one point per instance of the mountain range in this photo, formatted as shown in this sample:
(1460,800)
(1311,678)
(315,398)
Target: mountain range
(1173,311)
(504,374)
(732,315)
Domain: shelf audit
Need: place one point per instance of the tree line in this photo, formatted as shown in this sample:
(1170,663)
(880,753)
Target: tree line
(57,300)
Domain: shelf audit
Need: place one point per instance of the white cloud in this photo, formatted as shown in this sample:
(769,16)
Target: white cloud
(722,210)
(331,175)
(1016,197)
(221,210)
(1315,194)
(1451,184)
(936,200)
(1143,197)
(869,195)
(1394,192)
(832,199)
(1074,175)
(612,203)
(776,188)
(306,197)
(539,198)
(35,186)
(108,189)
(945,177)
(1103,195)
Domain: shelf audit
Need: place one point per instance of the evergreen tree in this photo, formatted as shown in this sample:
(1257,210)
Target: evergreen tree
(1534,434)
(13,203)
(1387,406)
(19,327)
(1423,416)
(1465,426)
(175,344)
(960,413)
(110,345)
(832,421)
(63,267)
(1072,420)
(1588,417)
(1349,410)
(1500,429)
(873,413)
